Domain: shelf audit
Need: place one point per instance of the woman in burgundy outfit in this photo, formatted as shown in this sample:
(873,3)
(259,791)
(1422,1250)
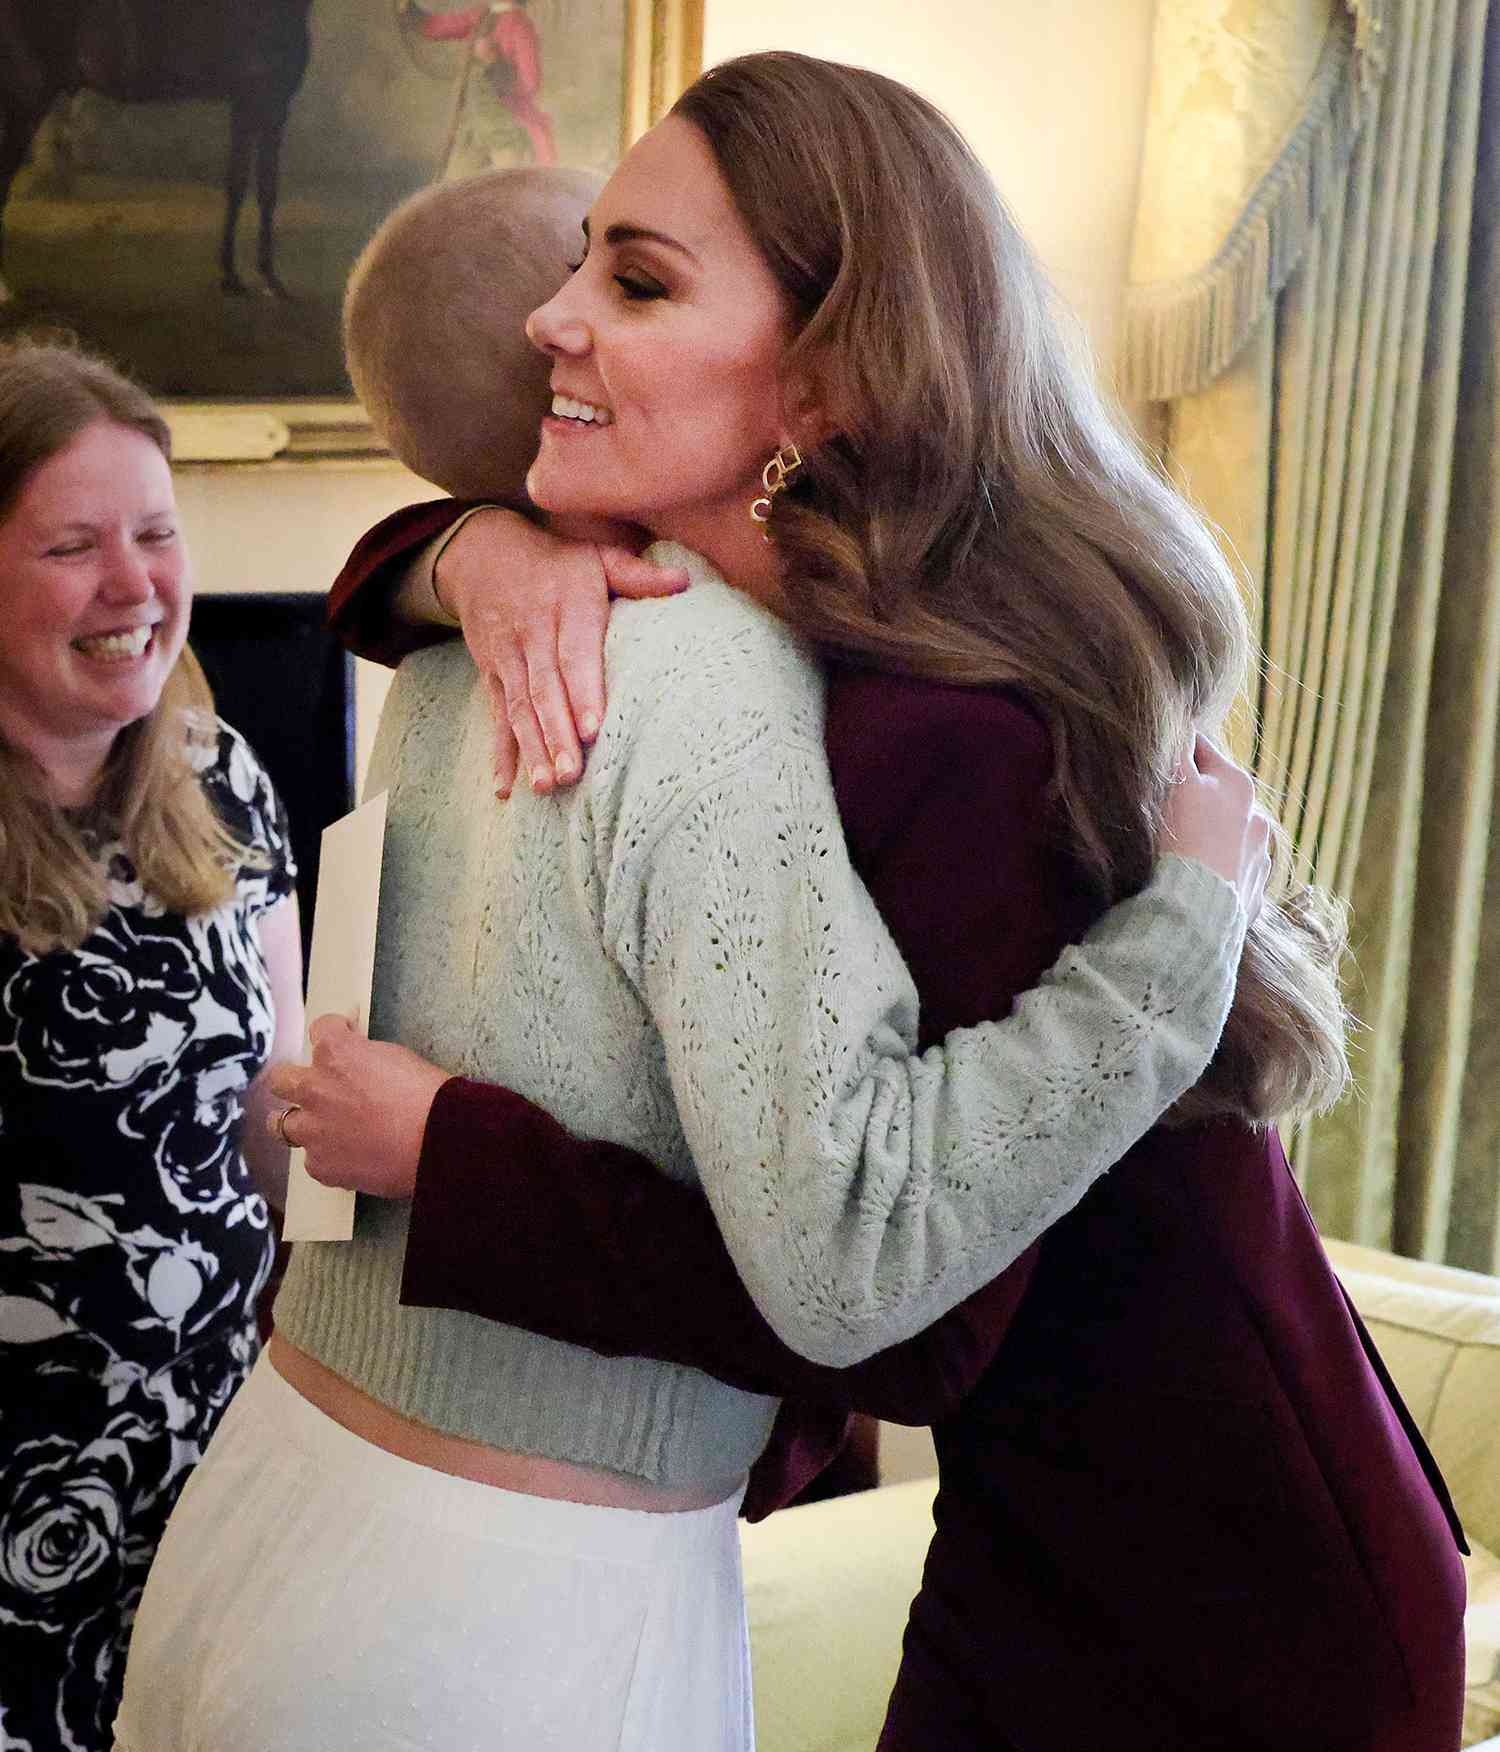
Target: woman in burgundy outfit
(1176,1479)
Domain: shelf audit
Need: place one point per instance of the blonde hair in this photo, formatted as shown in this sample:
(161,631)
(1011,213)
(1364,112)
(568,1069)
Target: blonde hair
(434,315)
(53,888)
(979,517)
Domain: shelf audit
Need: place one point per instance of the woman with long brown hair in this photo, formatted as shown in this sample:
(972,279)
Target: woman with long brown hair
(1177,1488)
(445,1533)
(450,1533)
(150,964)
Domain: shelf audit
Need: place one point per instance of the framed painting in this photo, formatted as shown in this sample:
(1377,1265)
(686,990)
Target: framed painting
(186,187)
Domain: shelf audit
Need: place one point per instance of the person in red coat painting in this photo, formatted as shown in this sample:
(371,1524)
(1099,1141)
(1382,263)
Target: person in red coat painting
(502,38)
(1181,1503)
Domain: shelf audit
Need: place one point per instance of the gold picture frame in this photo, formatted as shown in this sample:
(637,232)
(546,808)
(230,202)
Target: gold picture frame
(663,56)
(660,52)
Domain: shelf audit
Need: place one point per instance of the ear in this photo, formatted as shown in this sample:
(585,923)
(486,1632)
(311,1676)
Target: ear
(807,416)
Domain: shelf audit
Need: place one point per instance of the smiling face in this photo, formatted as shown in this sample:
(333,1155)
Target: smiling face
(94,592)
(667,344)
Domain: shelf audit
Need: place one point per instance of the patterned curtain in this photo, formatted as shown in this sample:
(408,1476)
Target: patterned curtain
(1316,308)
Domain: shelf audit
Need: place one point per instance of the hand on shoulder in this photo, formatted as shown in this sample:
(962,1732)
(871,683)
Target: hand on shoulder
(534,608)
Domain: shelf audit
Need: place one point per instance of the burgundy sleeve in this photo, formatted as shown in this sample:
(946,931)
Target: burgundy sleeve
(359,598)
(515,1219)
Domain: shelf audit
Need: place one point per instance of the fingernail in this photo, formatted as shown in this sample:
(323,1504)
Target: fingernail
(541,778)
(589,724)
(565,767)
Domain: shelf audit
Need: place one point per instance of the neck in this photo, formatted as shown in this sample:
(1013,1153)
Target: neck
(603,530)
(73,776)
(743,557)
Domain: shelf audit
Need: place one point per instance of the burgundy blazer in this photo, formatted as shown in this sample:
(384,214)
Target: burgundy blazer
(1181,1504)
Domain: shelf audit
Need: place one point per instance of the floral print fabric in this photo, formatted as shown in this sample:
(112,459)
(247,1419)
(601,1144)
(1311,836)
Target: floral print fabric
(132,1248)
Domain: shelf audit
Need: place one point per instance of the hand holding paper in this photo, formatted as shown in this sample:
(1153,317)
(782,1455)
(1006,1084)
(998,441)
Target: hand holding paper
(361,1109)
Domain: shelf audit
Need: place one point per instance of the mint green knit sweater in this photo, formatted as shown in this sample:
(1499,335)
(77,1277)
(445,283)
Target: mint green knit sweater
(677,956)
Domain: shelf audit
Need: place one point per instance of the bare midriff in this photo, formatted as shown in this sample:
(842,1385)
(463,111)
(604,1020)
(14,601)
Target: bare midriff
(530,1474)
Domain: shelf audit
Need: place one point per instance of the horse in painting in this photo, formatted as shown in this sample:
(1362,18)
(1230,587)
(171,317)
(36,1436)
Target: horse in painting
(251,57)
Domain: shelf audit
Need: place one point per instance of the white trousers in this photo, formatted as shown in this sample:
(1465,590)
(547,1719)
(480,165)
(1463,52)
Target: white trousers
(314,1593)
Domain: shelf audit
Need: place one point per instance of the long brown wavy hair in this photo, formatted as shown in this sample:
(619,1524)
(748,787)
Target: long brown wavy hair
(980,517)
(53,888)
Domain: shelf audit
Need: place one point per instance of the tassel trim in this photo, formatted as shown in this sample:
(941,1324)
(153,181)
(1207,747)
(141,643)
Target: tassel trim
(1181,334)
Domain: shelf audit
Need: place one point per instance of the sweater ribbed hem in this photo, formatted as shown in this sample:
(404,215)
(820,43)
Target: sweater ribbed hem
(492,1383)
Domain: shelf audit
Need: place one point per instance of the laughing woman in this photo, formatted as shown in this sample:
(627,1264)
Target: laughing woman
(149,965)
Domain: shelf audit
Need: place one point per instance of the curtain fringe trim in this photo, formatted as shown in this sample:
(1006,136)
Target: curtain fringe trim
(1181,334)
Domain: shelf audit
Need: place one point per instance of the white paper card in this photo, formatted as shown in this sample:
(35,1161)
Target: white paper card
(340,971)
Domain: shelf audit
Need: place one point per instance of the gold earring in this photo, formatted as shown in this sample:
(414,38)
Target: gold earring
(773,477)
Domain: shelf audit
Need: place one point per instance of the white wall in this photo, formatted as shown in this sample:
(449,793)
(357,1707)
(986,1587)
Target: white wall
(1051,94)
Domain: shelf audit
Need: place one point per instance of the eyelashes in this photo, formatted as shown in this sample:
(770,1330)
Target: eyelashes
(67,550)
(638,290)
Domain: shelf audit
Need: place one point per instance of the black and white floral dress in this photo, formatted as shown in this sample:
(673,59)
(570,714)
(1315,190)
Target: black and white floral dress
(132,1248)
